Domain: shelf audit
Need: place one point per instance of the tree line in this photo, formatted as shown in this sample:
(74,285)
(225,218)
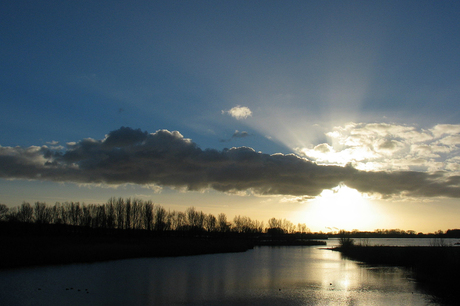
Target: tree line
(136,214)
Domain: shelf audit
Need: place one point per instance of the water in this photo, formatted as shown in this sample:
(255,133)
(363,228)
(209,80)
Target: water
(262,276)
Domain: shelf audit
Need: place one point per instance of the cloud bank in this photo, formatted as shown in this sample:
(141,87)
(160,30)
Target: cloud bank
(168,159)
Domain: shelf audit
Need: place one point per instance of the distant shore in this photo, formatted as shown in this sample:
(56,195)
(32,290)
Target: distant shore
(436,268)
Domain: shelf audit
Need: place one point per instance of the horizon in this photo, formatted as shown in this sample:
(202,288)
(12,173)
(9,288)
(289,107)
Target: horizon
(288,226)
(333,114)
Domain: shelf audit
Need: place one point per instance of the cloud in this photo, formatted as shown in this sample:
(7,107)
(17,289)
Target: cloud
(166,158)
(385,146)
(239,134)
(239,112)
(236,135)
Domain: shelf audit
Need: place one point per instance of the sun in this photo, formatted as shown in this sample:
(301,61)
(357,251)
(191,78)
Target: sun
(341,208)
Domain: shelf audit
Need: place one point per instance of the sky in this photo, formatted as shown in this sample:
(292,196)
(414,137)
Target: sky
(336,114)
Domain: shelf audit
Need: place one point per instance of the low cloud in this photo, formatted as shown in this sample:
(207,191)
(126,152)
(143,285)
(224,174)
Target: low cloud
(166,158)
(239,112)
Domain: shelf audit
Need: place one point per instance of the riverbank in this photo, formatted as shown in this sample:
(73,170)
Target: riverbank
(436,269)
(49,250)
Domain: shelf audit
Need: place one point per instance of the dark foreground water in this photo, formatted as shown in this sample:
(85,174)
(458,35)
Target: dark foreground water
(262,276)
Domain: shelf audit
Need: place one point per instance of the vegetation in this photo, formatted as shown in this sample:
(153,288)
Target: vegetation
(127,228)
(436,267)
(396,233)
(345,240)
(135,214)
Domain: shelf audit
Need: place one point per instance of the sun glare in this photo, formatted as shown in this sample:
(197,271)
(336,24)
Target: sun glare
(341,208)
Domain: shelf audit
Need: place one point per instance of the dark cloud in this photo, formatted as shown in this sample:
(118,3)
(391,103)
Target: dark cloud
(239,134)
(236,135)
(168,159)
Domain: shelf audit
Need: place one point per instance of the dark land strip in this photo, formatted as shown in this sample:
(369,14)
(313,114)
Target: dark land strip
(29,244)
(35,251)
(436,269)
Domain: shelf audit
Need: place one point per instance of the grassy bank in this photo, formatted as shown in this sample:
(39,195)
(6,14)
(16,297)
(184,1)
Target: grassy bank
(436,269)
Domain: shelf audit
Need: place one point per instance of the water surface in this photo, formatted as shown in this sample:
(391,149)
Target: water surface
(262,276)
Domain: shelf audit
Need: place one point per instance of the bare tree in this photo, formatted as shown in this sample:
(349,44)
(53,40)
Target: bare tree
(128,214)
(3,212)
(148,215)
(274,223)
(160,218)
(110,214)
(41,213)
(302,227)
(258,226)
(210,223)
(120,213)
(288,226)
(101,216)
(192,216)
(180,220)
(136,214)
(86,217)
(25,213)
(222,224)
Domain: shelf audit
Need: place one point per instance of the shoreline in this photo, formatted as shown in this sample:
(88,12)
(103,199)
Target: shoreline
(435,268)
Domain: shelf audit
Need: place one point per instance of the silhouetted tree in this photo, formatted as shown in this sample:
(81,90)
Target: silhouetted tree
(222,224)
(160,219)
(136,212)
(302,228)
(25,213)
(3,212)
(274,223)
(101,216)
(110,213)
(86,217)
(179,220)
(258,226)
(287,226)
(128,214)
(120,213)
(192,217)
(41,213)
(244,225)
(210,223)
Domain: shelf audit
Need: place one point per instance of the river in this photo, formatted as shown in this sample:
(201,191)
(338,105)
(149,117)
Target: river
(261,276)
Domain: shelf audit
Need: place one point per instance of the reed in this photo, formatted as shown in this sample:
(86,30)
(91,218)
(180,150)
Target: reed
(436,268)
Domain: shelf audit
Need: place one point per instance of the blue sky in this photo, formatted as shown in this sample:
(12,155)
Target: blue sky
(374,84)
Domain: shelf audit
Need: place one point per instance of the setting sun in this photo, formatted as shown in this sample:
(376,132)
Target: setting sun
(341,208)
